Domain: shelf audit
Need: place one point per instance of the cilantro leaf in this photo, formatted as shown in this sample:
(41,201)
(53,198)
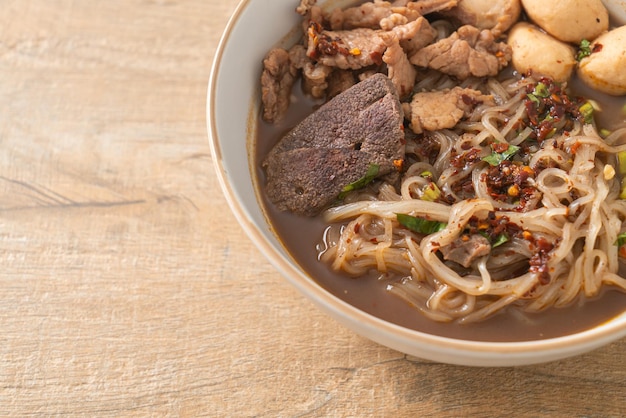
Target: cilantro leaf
(500,239)
(420,225)
(584,49)
(497,157)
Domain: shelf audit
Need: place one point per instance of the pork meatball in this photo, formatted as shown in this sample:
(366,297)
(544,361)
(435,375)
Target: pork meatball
(535,51)
(603,70)
(569,20)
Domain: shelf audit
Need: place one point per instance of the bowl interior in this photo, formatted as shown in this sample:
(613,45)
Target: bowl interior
(232,109)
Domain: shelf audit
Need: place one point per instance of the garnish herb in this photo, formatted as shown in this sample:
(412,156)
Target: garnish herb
(586,110)
(431,191)
(621,168)
(541,90)
(501,239)
(621,158)
(497,157)
(497,241)
(533,98)
(548,105)
(372,172)
(420,225)
(620,242)
(584,50)
(621,239)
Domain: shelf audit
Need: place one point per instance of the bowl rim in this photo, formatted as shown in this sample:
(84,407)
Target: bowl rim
(421,344)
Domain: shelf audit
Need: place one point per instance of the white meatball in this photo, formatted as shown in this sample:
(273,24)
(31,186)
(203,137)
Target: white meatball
(535,51)
(569,20)
(603,70)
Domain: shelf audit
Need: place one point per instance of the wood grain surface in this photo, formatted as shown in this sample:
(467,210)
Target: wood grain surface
(127,287)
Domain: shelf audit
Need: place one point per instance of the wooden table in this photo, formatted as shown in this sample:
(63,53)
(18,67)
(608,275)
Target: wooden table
(128,288)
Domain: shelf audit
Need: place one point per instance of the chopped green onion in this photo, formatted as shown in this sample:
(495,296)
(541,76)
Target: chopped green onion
(431,192)
(621,158)
(587,111)
(621,239)
(501,239)
(533,98)
(541,90)
(372,172)
(604,132)
(420,225)
(584,49)
(621,168)
(496,157)
(498,241)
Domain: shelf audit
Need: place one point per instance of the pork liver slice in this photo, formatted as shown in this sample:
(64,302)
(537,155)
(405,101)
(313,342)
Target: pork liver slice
(335,146)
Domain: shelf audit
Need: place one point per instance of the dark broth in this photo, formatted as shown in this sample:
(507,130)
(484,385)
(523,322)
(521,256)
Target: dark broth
(300,236)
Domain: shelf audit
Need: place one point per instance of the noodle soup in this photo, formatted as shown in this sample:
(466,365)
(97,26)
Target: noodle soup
(540,200)
(302,236)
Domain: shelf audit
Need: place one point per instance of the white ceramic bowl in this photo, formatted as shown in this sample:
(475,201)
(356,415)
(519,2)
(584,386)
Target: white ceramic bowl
(233,106)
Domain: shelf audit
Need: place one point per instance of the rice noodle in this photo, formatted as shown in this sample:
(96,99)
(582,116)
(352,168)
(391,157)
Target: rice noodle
(575,208)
